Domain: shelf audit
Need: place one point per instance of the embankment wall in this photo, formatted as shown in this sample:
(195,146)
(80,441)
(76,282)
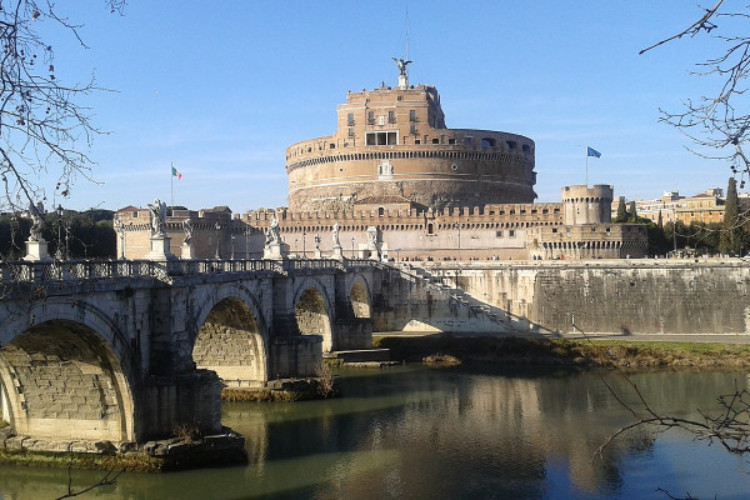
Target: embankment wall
(618,296)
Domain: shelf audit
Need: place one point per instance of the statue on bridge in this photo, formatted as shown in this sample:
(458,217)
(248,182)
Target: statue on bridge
(36,212)
(335,235)
(158,213)
(273,233)
(187,226)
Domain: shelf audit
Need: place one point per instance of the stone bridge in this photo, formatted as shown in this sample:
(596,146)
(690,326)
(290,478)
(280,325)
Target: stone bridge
(125,351)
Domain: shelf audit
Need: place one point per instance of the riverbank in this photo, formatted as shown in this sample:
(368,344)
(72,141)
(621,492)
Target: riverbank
(186,451)
(584,353)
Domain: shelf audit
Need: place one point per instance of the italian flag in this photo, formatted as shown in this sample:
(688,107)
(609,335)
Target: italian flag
(176,173)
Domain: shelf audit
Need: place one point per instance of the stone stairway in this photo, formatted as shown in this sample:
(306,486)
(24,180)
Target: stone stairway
(457,296)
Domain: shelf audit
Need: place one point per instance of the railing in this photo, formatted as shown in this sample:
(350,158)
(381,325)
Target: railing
(38,272)
(55,271)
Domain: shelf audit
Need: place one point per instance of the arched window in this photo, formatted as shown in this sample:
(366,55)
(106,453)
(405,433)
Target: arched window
(488,142)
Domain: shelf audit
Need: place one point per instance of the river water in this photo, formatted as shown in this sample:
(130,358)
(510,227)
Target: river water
(410,432)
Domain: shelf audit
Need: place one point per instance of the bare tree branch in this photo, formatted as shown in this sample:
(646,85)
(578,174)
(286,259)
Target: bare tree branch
(43,130)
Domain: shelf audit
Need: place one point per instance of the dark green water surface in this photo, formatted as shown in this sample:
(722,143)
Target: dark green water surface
(414,433)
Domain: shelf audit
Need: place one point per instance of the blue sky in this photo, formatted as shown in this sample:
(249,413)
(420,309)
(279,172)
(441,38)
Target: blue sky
(222,88)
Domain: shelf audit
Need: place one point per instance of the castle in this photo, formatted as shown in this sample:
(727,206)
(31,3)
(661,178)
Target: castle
(394,183)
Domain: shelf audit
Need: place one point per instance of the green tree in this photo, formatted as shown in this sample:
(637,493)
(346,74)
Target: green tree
(622,214)
(731,235)
(632,213)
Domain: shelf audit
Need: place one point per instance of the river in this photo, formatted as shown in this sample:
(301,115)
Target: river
(415,433)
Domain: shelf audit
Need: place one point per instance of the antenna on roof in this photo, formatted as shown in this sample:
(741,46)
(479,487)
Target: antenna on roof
(403,63)
(407,32)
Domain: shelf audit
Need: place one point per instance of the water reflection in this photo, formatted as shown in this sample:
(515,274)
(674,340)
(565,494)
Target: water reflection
(414,433)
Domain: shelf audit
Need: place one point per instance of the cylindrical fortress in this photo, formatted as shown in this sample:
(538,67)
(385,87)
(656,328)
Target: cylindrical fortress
(587,205)
(392,146)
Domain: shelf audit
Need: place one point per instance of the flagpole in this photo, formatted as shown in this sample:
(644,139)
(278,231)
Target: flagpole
(171,182)
(587,166)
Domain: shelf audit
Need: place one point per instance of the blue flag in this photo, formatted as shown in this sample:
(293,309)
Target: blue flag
(593,152)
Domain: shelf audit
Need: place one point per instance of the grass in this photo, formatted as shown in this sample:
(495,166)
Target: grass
(580,353)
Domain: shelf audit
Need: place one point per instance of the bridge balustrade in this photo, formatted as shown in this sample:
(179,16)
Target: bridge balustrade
(42,272)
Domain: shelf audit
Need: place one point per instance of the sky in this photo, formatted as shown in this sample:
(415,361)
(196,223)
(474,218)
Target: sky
(221,89)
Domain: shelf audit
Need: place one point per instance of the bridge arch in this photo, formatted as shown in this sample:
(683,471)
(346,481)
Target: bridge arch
(66,376)
(231,338)
(359,296)
(312,307)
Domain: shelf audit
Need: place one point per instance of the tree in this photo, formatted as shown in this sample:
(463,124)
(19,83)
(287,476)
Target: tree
(731,236)
(44,132)
(719,122)
(622,214)
(632,212)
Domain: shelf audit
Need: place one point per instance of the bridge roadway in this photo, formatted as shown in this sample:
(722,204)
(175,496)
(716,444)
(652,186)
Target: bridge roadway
(126,351)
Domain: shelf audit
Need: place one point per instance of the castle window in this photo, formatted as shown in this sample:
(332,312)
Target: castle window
(412,115)
(381,120)
(511,144)
(399,98)
(488,142)
(351,131)
(436,141)
(451,141)
(391,117)
(417,141)
(454,167)
(370,118)
(554,230)
(511,233)
(350,119)
(468,141)
(381,138)
(430,229)
(498,234)
(526,148)
(332,146)
(381,212)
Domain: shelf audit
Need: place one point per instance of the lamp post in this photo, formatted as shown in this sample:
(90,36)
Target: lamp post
(674,230)
(458,227)
(304,246)
(58,252)
(218,240)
